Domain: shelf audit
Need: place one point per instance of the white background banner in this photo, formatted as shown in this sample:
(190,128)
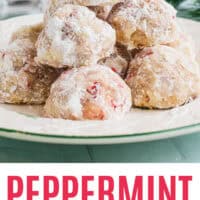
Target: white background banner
(99,181)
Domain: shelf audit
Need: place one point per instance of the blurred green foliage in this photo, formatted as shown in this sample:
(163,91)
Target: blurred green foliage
(175,2)
(187,8)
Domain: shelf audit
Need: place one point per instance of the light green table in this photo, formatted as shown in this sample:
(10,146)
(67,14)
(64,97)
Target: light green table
(180,149)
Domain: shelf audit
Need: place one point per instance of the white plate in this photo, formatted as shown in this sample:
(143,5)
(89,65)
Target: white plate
(25,123)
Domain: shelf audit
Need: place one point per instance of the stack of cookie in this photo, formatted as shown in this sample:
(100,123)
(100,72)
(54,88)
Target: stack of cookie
(164,73)
(94,59)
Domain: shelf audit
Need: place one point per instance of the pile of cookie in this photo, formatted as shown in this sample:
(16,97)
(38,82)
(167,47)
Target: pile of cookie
(95,59)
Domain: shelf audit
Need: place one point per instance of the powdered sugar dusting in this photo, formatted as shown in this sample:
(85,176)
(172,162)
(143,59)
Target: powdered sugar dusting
(153,21)
(137,121)
(96,87)
(74,37)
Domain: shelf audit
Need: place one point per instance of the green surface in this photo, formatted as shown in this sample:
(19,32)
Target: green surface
(187,8)
(180,149)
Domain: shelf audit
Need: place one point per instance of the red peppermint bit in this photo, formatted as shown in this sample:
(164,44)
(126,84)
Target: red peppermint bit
(114,104)
(148,52)
(93,89)
(114,69)
(131,74)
